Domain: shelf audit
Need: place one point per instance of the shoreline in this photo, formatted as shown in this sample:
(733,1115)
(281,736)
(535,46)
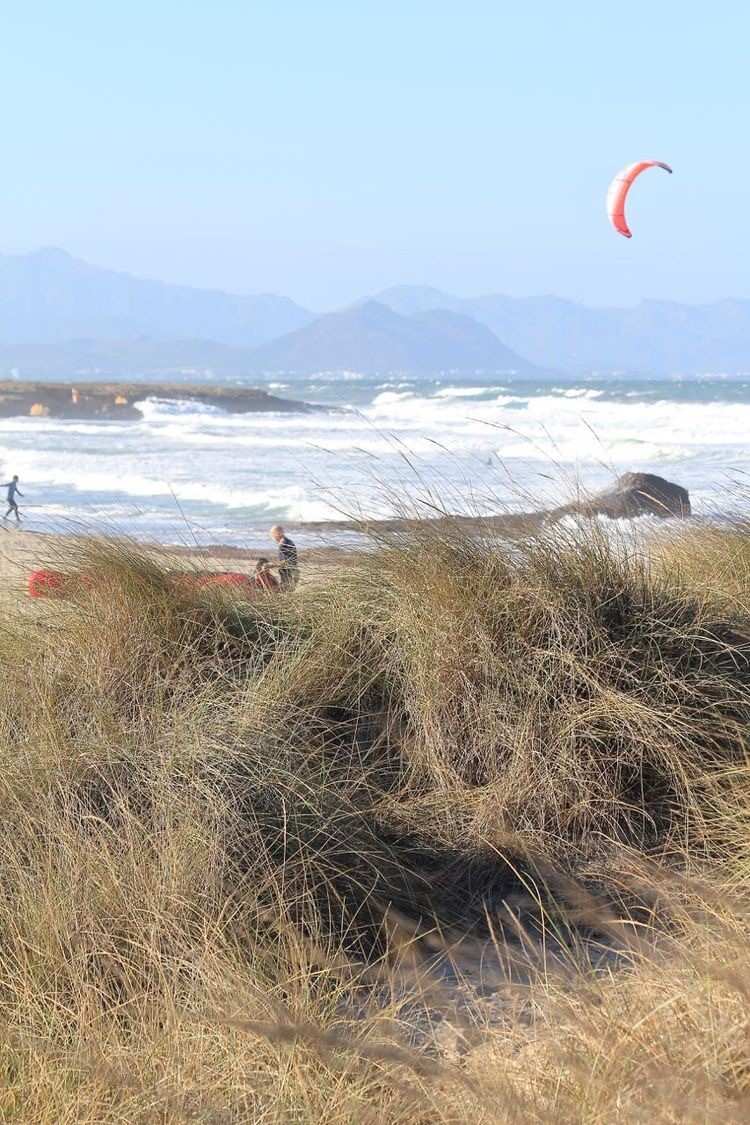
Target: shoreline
(22,552)
(632,495)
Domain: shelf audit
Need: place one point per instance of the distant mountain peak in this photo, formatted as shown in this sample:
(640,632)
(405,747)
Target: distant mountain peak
(49,296)
(410,299)
(369,310)
(52,254)
(371,338)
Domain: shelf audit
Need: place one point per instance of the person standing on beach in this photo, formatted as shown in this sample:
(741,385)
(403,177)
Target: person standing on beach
(13,491)
(288,565)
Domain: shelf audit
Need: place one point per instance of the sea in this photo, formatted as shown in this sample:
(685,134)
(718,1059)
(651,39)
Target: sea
(378,447)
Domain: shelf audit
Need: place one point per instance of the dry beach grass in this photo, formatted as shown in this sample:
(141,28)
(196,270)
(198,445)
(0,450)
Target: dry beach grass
(457,833)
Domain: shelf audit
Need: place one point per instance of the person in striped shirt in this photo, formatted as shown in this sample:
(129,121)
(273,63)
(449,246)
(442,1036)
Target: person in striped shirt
(288,564)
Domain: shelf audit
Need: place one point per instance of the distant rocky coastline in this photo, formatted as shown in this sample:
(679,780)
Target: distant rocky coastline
(118,401)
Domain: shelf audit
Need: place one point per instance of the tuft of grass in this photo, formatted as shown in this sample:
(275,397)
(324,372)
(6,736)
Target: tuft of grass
(366,853)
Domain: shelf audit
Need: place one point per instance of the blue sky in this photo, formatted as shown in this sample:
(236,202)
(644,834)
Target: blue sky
(327,149)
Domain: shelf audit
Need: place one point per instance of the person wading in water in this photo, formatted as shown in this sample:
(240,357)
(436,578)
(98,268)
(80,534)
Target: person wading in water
(288,565)
(13,491)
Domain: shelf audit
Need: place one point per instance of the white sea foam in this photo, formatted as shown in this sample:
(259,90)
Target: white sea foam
(466,392)
(153,408)
(578,392)
(388,398)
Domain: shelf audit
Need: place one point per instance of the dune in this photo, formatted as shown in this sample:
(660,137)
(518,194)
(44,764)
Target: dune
(376,843)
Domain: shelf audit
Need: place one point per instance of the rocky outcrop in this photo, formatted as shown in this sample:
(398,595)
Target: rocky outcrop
(118,400)
(633,494)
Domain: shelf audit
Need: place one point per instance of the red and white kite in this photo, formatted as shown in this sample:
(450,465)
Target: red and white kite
(619,188)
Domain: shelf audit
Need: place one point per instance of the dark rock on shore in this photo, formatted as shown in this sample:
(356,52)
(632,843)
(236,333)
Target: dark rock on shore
(118,400)
(633,494)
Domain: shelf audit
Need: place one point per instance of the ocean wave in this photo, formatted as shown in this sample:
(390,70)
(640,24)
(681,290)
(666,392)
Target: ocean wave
(578,392)
(388,398)
(35,428)
(340,376)
(126,495)
(153,408)
(466,392)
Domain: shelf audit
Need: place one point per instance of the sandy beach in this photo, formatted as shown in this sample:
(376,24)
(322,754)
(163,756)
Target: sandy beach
(22,552)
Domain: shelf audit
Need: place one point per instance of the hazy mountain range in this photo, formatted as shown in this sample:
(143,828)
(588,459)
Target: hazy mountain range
(49,296)
(62,316)
(654,336)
